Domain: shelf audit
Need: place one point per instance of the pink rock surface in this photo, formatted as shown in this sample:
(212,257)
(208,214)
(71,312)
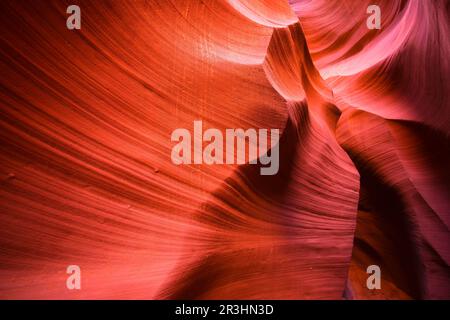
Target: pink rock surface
(87,179)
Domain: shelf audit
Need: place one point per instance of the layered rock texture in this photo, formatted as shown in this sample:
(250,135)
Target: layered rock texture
(86,118)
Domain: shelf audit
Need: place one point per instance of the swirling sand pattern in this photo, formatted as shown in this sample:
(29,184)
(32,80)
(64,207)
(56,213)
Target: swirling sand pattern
(86,175)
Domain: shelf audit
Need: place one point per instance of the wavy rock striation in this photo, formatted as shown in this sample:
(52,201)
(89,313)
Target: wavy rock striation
(86,176)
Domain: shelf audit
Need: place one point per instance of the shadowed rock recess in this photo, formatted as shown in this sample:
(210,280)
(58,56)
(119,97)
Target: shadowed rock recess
(86,176)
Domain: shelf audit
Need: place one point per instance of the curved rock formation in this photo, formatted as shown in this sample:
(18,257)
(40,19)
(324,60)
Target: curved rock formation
(87,179)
